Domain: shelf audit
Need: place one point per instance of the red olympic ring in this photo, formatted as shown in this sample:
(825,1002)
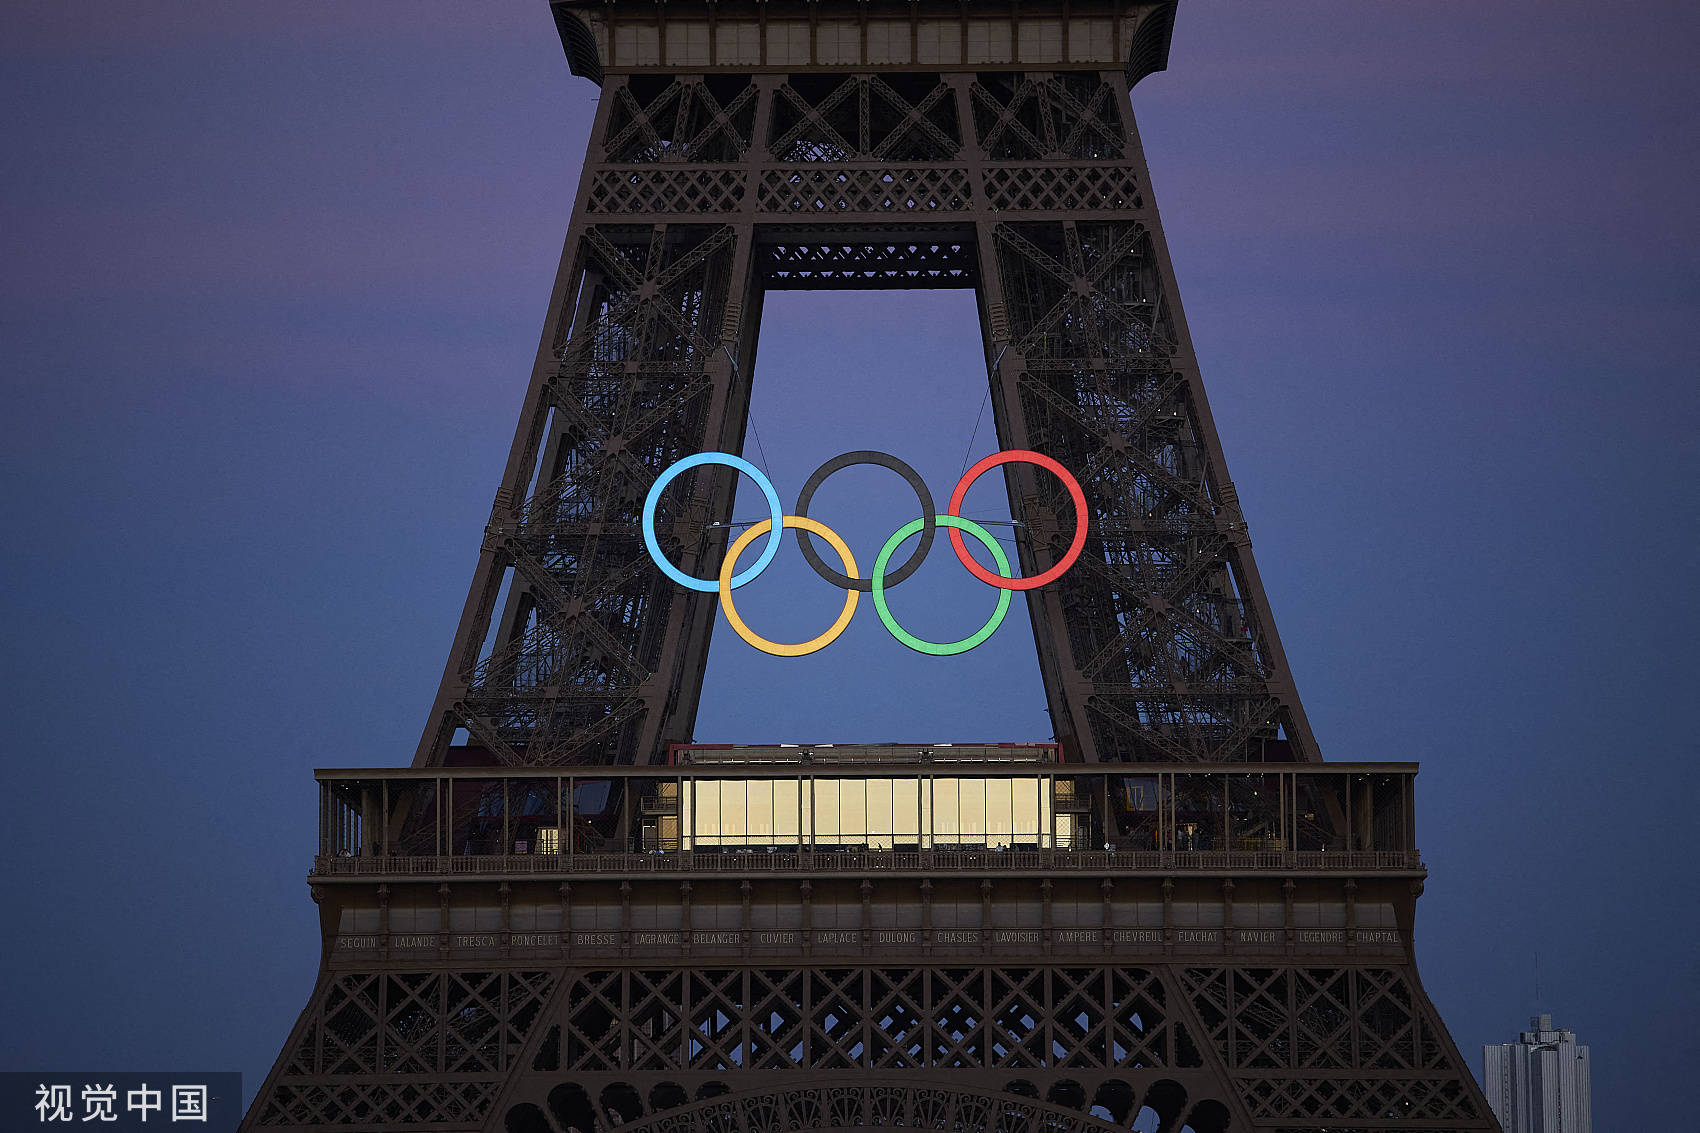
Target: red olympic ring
(1029,457)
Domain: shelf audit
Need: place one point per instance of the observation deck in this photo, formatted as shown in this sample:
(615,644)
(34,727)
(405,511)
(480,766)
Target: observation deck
(610,36)
(868,850)
(899,809)
(888,808)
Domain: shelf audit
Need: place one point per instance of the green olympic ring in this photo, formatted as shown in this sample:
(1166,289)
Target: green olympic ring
(920,645)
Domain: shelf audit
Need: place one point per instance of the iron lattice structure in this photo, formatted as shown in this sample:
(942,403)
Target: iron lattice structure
(592,974)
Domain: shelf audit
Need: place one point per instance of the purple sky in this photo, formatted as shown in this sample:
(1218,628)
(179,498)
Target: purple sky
(272,281)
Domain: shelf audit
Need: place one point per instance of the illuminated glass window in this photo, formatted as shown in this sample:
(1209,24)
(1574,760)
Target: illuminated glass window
(1000,813)
(881,818)
(971,812)
(878,814)
(826,812)
(944,812)
(734,812)
(853,812)
(787,821)
(906,812)
(758,812)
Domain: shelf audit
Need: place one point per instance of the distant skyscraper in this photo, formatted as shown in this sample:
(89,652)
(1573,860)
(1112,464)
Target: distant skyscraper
(1539,1084)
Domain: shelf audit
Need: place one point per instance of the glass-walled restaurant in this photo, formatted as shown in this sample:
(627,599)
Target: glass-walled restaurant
(874,814)
(726,809)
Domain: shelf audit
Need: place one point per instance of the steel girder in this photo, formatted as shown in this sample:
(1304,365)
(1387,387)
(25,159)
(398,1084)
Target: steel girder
(714,1045)
(701,192)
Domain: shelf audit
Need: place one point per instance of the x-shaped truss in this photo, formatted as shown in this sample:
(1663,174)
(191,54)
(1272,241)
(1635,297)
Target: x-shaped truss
(814,137)
(1068,126)
(640,138)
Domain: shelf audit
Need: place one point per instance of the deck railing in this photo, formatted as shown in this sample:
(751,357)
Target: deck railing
(760,862)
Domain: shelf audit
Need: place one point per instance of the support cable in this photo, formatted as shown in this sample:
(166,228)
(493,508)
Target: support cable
(761,449)
(767,469)
(991,376)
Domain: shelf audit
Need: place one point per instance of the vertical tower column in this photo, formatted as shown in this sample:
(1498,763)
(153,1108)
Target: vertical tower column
(531,951)
(701,191)
(646,353)
(1158,644)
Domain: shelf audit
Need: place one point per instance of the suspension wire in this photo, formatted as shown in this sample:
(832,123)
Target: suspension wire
(760,448)
(971,436)
(1009,523)
(767,468)
(1015,526)
(991,376)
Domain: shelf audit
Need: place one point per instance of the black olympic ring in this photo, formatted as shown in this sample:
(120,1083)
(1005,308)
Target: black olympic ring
(884,460)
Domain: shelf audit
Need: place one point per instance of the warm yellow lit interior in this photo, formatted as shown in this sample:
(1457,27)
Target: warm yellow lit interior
(880,814)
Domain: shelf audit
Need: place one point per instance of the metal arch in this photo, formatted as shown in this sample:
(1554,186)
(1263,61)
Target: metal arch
(823,1105)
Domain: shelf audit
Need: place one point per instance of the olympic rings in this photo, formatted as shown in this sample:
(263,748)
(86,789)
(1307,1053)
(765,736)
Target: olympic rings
(775,511)
(920,645)
(879,581)
(1026,456)
(814,644)
(884,460)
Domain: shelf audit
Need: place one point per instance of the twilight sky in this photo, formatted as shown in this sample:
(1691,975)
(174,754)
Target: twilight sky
(271,278)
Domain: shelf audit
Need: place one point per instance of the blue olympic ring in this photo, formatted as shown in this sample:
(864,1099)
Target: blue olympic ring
(775,510)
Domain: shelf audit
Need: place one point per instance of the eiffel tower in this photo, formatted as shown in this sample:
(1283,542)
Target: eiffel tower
(567,916)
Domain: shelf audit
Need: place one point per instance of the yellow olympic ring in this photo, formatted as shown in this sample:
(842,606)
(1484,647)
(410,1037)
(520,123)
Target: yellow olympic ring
(780,649)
